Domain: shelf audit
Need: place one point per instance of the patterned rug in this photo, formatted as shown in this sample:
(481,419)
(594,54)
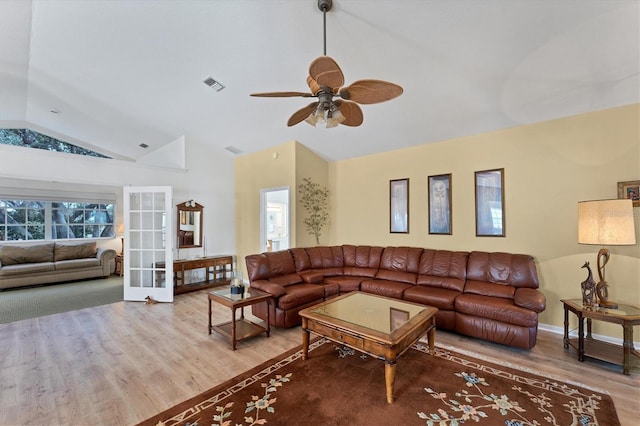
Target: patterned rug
(339,386)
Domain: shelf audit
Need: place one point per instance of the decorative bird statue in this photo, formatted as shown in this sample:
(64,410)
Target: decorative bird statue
(588,287)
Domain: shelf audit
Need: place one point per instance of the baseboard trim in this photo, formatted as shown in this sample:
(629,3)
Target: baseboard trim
(574,333)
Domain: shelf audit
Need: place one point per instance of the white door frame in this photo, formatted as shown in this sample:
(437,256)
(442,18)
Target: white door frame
(263,215)
(148,243)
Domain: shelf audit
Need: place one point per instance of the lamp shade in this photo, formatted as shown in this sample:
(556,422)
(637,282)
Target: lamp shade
(120,230)
(606,222)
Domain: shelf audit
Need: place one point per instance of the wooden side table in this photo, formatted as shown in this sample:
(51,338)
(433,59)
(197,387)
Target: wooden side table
(119,270)
(626,315)
(242,328)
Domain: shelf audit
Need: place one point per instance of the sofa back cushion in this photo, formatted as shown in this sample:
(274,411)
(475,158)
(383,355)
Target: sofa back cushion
(499,274)
(17,254)
(300,259)
(443,268)
(275,266)
(325,257)
(361,261)
(69,251)
(399,264)
(257,267)
(362,256)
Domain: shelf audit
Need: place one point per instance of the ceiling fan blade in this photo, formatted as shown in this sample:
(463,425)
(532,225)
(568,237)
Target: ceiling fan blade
(283,94)
(301,114)
(370,91)
(326,72)
(352,113)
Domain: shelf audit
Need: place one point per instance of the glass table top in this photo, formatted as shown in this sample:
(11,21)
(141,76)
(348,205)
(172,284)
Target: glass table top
(366,310)
(622,310)
(248,293)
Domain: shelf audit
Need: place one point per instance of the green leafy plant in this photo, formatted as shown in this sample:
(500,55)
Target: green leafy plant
(314,199)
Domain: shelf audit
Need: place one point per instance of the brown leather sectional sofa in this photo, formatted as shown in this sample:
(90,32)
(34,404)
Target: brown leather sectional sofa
(491,296)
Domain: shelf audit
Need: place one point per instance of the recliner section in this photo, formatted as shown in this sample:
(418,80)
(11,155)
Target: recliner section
(491,296)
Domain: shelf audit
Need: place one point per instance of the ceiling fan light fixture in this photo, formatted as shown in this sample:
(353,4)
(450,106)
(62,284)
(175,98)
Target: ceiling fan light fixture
(334,117)
(311,119)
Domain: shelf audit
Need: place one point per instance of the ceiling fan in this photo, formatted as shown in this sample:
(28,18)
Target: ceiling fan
(326,82)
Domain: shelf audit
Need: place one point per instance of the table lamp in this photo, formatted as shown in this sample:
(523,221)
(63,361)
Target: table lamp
(120,233)
(605,223)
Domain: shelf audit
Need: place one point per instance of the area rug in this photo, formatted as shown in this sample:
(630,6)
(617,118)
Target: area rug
(340,386)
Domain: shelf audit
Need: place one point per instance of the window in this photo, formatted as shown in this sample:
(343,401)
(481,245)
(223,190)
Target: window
(31,220)
(32,139)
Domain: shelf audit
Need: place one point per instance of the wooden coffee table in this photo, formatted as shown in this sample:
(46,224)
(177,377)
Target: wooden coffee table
(378,326)
(241,328)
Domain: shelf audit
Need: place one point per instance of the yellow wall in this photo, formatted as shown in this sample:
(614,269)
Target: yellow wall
(549,167)
(281,166)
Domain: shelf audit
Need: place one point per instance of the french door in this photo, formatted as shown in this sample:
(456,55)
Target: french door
(148,243)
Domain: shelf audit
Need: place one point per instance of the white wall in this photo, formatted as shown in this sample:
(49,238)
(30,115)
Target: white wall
(208,179)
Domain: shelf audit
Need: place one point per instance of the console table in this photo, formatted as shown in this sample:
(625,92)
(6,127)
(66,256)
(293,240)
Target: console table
(218,272)
(627,316)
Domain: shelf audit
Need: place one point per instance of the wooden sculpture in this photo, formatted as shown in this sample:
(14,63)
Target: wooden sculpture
(588,287)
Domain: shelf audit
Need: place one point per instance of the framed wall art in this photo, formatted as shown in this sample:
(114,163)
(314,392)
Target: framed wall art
(399,206)
(440,204)
(489,189)
(630,190)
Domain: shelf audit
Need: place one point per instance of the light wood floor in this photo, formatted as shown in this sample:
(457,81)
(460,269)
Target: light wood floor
(122,363)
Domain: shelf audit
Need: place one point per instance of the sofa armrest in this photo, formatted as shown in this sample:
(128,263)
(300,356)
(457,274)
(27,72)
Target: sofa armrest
(105,254)
(276,290)
(530,298)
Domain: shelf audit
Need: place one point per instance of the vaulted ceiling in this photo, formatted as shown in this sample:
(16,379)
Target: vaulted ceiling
(124,72)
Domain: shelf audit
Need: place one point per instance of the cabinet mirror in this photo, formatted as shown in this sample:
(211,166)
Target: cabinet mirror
(189,224)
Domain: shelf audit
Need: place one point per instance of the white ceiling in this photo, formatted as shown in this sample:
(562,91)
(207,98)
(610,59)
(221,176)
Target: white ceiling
(125,72)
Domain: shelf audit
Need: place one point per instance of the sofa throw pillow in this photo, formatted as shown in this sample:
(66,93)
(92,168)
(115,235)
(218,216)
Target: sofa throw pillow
(74,251)
(18,254)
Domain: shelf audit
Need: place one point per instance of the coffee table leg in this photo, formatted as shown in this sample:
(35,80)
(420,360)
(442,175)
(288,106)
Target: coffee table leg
(432,338)
(390,378)
(305,340)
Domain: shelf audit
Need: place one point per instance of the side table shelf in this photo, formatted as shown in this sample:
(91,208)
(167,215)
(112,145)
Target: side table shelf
(586,346)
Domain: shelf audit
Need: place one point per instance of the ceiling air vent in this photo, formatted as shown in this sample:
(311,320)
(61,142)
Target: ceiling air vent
(216,85)
(233,149)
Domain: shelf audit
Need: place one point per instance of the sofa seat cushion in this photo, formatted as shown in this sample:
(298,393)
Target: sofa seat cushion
(498,309)
(25,269)
(360,272)
(299,294)
(393,289)
(17,254)
(345,283)
(68,251)
(64,265)
(286,280)
(330,290)
(441,298)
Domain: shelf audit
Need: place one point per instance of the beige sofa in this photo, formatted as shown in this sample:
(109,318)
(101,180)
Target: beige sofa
(26,264)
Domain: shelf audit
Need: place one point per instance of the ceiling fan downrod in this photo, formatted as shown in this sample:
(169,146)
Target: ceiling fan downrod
(325,6)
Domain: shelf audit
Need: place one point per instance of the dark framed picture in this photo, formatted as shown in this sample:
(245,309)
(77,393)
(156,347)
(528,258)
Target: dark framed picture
(440,204)
(490,220)
(630,190)
(399,206)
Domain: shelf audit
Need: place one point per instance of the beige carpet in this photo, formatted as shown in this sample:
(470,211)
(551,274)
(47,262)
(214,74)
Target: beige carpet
(25,303)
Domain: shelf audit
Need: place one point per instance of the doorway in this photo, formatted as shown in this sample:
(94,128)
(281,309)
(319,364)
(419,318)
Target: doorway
(274,219)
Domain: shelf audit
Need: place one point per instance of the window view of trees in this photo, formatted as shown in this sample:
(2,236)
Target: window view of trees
(31,139)
(51,220)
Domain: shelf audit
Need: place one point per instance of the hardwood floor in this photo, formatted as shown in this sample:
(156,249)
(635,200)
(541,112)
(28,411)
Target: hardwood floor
(119,364)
